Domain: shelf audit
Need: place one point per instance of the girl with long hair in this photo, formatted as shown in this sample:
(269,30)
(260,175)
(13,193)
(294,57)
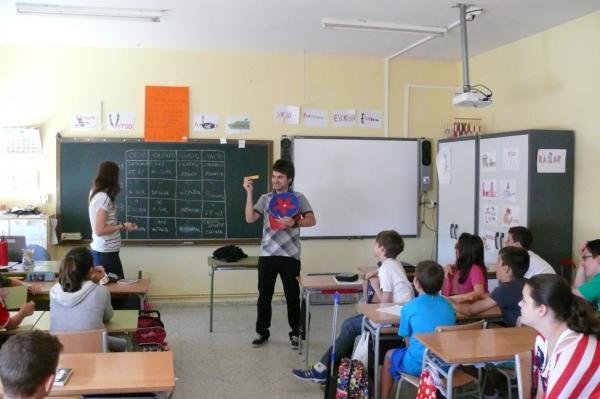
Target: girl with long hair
(566,361)
(466,280)
(106,229)
(77,301)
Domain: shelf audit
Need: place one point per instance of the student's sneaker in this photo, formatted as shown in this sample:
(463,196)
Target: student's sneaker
(259,341)
(294,341)
(311,374)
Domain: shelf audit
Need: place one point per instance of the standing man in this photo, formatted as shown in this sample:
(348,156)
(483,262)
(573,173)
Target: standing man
(279,251)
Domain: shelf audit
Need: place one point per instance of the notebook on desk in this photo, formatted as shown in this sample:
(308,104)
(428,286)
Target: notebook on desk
(15,297)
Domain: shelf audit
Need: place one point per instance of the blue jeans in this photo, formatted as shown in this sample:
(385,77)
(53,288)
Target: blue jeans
(344,343)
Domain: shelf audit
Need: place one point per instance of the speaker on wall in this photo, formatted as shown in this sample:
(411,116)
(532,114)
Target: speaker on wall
(425,167)
(286,148)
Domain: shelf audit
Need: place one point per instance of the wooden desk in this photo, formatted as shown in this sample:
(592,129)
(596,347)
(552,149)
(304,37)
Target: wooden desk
(325,284)
(249,263)
(140,289)
(473,346)
(374,321)
(27,324)
(124,372)
(38,266)
(122,321)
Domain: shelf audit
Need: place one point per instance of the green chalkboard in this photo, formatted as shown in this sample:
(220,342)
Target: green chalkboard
(176,192)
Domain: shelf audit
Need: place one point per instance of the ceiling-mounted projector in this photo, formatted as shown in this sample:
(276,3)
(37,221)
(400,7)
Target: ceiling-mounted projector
(476,96)
(472,98)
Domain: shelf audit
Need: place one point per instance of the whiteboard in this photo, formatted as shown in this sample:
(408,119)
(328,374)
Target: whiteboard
(358,186)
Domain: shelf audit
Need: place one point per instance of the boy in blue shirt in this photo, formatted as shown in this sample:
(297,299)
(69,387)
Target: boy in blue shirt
(421,315)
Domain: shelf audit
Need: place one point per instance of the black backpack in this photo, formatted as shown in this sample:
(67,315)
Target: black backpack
(229,253)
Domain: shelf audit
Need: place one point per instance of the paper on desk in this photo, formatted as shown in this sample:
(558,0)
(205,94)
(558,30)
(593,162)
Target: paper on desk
(393,310)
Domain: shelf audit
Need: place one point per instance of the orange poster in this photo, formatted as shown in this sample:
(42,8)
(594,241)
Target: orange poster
(167,113)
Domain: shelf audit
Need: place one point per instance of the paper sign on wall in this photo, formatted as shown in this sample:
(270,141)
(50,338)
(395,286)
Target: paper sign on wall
(167,113)
(204,122)
(119,121)
(508,190)
(315,117)
(84,121)
(510,215)
(287,114)
(510,159)
(488,161)
(443,163)
(551,161)
(369,119)
(344,117)
(238,124)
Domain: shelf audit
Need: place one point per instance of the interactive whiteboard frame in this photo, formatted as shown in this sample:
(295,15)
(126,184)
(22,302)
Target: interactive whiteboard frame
(358,186)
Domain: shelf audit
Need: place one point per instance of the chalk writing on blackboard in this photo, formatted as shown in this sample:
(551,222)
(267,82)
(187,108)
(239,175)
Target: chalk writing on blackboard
(176,193)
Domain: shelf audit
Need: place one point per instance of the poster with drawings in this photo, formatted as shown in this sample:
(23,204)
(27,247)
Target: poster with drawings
(510,215)
(490,214)
(508,190)
(510,159)
(488,161)
(489,189)
(489,240)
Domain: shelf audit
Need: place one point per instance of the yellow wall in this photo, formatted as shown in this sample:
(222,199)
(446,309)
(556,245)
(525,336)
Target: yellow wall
(43,86)
(545,81)
(551,80)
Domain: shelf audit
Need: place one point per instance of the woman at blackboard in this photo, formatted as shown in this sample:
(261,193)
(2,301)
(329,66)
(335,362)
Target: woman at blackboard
(106,229)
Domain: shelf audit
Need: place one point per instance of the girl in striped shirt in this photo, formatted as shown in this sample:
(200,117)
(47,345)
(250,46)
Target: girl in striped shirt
(566,360)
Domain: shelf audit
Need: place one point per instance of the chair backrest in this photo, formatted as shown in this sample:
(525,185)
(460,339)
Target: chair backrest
(39,252)
(523,367)
(89,341)
(477,325)
(15,297)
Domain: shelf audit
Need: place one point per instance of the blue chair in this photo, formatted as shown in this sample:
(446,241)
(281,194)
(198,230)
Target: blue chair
(39,252)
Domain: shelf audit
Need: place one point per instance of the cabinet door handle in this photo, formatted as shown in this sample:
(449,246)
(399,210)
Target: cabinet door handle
(496,240)
(451,230)
(501,240)
(455,228)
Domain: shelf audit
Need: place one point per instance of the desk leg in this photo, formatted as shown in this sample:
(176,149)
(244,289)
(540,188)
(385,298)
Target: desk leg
(211,273)
(142,297)
(307,327)
(375,331)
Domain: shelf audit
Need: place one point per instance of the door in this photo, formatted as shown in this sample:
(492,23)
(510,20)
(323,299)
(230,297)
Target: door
(456,195)
(503,187)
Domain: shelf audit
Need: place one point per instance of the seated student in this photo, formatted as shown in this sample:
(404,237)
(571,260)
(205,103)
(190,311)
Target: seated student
(467,279)
(421,315)
(566,355)
(77,301)
(587,276)
(28,363)
(391,286)
(11,322)
(510,268)
(519,236)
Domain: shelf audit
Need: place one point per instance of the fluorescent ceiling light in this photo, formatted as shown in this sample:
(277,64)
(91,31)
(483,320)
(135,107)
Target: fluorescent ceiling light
(361,24)
(57,10)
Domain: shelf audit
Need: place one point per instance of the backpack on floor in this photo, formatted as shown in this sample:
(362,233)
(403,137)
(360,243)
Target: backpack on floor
(150,335)
(353,381)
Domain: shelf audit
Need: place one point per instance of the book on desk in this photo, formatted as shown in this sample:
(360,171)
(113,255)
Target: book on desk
(62,376)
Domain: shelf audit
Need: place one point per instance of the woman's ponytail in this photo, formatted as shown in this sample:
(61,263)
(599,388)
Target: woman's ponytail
(583,317)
